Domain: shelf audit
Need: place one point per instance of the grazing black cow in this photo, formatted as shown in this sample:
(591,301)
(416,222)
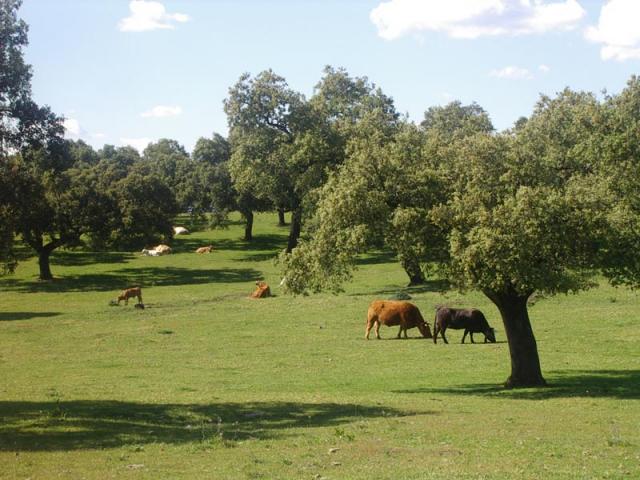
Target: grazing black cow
(471,319)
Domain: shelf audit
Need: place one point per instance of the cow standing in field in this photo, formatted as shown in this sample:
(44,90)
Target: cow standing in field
(390,312)
(130,293)
(471,319)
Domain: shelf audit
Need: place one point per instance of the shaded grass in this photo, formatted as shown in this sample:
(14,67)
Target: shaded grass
(142,276)
(617,384)
(13,316)
(73,425)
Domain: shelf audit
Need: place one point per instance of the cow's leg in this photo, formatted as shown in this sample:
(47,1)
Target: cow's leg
(465,334)
(405,332)
(400,332)
(368,329)
(443,337)
(377,329)
(435,332)
(126,301)
(139,298)
(471,335)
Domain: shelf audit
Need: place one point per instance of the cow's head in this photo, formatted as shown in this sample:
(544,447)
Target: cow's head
(490,335)
(425,330)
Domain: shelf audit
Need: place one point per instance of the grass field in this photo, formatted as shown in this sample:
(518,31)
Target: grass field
(207,383)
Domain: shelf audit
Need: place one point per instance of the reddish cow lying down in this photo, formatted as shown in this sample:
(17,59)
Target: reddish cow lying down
(262,290)
(391,312)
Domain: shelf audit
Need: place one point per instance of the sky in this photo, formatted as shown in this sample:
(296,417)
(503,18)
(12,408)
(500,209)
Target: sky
(127,72)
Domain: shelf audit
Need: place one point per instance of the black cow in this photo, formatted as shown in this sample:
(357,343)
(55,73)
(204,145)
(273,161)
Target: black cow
(471,319)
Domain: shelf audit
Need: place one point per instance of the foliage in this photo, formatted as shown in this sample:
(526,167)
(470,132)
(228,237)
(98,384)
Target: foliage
(284,146)
(22,123)
(379,198)
(456,120)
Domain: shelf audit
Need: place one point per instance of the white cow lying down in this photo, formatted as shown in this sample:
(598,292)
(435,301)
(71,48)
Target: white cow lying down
(157,251)
(180,231)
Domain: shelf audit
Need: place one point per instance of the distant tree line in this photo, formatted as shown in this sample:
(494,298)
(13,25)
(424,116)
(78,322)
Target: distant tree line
(541,207)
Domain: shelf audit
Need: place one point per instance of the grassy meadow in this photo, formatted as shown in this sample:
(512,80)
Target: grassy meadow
(208,383)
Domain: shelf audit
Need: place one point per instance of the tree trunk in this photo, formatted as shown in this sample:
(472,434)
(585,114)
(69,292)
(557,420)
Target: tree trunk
(525,363)
(412,268)
(281,220)
(294,232)
(248,227)
(43,262)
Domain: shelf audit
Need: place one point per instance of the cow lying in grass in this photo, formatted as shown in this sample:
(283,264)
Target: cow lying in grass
(471,319)
(206,249)
(391,312)
(262,290)
(180,231)
(156,251)
(130,293)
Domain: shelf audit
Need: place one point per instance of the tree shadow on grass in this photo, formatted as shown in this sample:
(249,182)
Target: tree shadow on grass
(620,384)
(260,243)
(376,258)
(390,291)
(76,425)
(142,276)
(12,316)
(79,258)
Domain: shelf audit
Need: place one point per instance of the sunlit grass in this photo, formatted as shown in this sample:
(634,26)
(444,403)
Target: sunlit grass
(207,383)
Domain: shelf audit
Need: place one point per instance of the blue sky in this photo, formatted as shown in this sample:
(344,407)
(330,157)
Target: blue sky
(130,72)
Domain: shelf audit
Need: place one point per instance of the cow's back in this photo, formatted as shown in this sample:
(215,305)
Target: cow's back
(393,312)
(459,318)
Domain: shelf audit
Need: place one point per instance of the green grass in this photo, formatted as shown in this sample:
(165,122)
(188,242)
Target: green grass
(207,383)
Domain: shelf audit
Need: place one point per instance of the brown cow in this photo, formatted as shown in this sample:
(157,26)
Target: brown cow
(206,249)
(262,290)
(129,293)
(392,312)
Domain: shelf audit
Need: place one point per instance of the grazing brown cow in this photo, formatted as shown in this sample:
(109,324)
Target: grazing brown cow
(129,293)
(206,249)
(262,290)
(392,312)
(471,319)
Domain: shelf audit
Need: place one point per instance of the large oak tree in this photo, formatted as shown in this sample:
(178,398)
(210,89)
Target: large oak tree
(529,210)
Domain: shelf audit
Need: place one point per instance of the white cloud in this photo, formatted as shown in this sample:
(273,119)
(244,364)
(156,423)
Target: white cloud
(618,30)
(474,18)
(138,143)
(544,68)
(72,128)
(149,15)
(512,73)
(160,111)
